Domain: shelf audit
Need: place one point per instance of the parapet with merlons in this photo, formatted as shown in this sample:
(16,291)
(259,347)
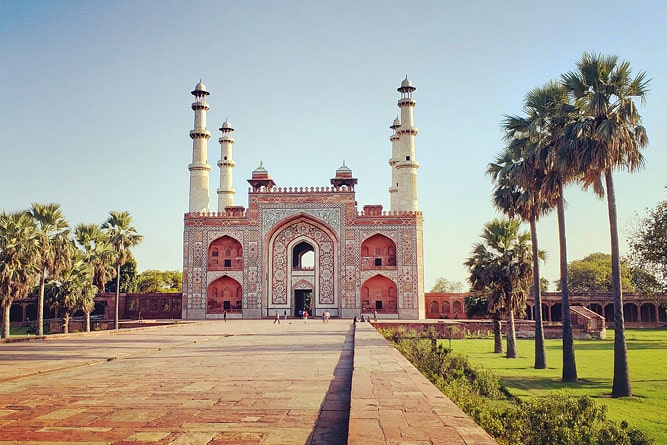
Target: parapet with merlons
(233,214)
(295,190)
(390,214)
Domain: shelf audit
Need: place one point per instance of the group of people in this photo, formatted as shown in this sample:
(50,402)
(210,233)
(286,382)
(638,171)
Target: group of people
(367,318)
(304,316)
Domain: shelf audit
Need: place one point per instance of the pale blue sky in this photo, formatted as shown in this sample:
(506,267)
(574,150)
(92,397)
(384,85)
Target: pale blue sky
(95,113)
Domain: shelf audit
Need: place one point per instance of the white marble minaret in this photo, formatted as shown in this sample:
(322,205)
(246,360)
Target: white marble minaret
(199,168)
(403,162)
(226,164)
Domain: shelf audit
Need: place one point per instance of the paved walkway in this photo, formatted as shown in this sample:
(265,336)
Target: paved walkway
(239,382)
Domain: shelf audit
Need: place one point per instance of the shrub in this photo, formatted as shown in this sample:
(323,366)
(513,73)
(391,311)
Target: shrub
(558,419)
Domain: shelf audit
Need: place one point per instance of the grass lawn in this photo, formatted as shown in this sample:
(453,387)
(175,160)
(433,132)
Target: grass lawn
(647,356)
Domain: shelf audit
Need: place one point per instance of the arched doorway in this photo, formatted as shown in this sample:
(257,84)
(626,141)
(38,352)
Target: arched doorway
(302,267)
(609,313)
(630,312)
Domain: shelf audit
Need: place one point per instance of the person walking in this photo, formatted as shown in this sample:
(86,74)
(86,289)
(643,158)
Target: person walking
(305,316)
(224,316)
(277,318)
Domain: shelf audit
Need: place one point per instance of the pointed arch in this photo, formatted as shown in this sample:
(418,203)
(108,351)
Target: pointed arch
(225,253)
(379,293)
(378,252)
(302,230)
(224,294)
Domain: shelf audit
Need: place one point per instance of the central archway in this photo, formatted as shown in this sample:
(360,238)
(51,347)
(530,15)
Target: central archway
(289,249)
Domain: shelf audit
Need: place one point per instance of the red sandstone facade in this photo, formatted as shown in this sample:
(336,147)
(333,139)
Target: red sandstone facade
(249,263)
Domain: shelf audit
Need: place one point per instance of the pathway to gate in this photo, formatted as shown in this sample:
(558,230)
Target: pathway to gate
(240,381)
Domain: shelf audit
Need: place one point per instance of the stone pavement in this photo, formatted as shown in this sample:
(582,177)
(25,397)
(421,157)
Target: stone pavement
(239,382)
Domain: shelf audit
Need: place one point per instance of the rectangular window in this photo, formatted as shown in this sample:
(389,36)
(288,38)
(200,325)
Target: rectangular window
(378,304)
(407,158)
(378,262)
(226,305)
(228,263)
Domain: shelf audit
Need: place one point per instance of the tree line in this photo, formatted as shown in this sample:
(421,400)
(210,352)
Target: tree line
(38,248)
(579,129)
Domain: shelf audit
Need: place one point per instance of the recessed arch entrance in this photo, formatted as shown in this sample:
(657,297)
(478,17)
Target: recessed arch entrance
(302,268)
(378,293)
(224,295)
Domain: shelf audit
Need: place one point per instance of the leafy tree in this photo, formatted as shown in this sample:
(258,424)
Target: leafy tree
(648,251)
(123,236)
(501,267)
(608,136)
(19,260)
(442,284)
(56,249)
(161,281)
(128,278)
(592,275)
(544,284)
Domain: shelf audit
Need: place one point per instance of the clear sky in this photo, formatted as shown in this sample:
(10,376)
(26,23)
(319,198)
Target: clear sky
(95,111)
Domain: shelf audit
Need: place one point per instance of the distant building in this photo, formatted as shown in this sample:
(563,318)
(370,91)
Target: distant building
(302,248)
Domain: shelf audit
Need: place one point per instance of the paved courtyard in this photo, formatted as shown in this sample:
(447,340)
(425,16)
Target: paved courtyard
(239,382)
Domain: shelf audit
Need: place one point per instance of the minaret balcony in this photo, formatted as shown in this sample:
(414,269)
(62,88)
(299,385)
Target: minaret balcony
(407,164)
(200,133)
(200,106)
(204,167)
(407,102)
(226,163)
(408,130)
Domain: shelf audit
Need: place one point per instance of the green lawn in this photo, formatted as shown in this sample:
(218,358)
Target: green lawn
(647,355)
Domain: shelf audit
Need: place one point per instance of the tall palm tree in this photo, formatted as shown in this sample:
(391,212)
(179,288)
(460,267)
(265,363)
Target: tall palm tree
(502,266)
(518,193)
(123,236)
(19,260)
(609,136)
(541,166)
(98,251)
(56,249)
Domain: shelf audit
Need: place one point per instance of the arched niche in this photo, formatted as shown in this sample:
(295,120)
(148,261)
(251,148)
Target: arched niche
(379,293)
(224,294)
(225,253)
(378,252)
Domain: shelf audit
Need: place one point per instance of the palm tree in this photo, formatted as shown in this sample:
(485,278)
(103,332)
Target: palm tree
(518,193)
(609,136)
(56,249)
(123,237)
(19,260)
(535,186)
(74,291)
(98,251)
(501,265)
